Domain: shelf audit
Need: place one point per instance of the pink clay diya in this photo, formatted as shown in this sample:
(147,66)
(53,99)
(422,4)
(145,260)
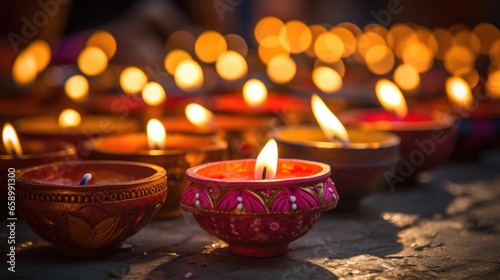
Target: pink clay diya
(258,218)
(94,218)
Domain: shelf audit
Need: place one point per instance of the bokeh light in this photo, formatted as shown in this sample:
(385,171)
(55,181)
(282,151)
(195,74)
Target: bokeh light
(92,61)
(281,69)
(231,66)
(326,79)
(77,88)
(104,41)
(132,80)
(209,45)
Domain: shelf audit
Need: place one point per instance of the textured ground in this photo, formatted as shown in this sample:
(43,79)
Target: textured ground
(447,228)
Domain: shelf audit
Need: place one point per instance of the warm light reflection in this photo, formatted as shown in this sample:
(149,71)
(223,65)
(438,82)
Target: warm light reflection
(25,69)
(132,80)
(444,40)
(267,26)
(379,59)
(199,116)
(42,53)
(406,77)
(493,84)
(69,118)
(487,33)
(267,160)
(271,47)
(329,47)
(77,88)
(254,93)
(104,41)
(469,40)
(391,98)
(173,58)
(209,45)
(188,75)
(329,123)
(316,31)
(153,94)
(326,79)
(457,57)
(92,61)
(458,92)
(296,35)
(156,135)
(10,140)
(418,55)
(231,66)
(347,38)
(281,69)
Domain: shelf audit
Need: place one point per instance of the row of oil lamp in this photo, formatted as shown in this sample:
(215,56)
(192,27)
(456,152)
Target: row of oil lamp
(257,206)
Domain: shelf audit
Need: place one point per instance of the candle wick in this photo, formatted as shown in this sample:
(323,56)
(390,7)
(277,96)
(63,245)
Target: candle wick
(85,179)
(344,143)
(264,171)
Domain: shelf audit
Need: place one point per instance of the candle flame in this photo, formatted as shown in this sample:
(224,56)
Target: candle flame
(69,118)
(10,140)
(458,92)
(132,80)
(199,116)
(329,123)
(391,98)
(254,93)
(268,160)
(188,75)
(153,94)
(156,135)
(77,88)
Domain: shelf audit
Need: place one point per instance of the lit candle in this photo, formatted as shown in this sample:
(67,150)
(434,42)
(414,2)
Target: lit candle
(260,205)
(479,125)
(255,99)
(427,136)
(242,132)
(349,152)
(71,127)
(175,152)
(89,214)
(15,154)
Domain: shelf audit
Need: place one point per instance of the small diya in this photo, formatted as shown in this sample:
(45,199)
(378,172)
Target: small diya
(174,152)
(427,136)
(359,160)
(83,217)
(259,206)
(71,127)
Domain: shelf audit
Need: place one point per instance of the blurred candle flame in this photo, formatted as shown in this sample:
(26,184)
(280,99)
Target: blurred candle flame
(69,118)
(188,75)
(132,80)
(254,93)
(199,116)
(77,88)
(268,159)
(329,123)
(391,98)
(10,140)
(458,92)
(153,94)
(156,135)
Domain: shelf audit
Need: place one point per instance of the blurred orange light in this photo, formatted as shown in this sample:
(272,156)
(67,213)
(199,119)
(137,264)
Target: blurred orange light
(104,41)
(281,69)
(209,45)
(231,66)
(92,61)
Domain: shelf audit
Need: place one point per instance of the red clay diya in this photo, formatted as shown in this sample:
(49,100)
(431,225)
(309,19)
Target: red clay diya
(245,134)
(258,218)
(358,168)
(179,153)
(33,153)
(90,127)
(478,125)
(94,218)
(427,138)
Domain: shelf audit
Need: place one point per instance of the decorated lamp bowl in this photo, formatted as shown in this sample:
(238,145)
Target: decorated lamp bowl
(94,218)
(258,218)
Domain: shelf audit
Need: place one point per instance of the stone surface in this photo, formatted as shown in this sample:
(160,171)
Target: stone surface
(447,228)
